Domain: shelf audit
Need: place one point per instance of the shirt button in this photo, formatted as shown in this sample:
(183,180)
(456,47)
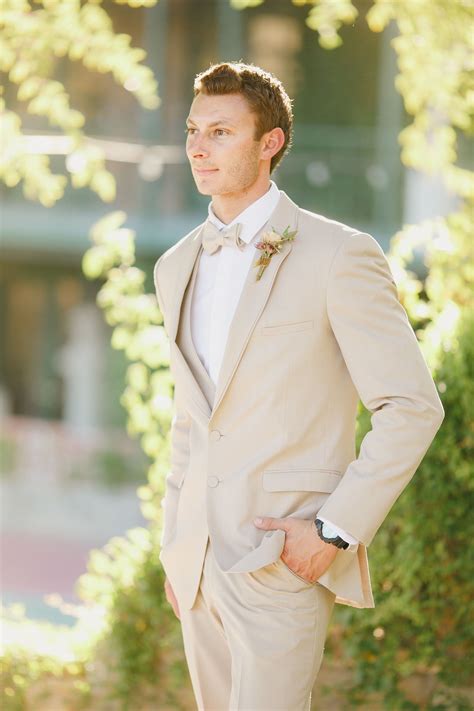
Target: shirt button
(215,435)
(212,481)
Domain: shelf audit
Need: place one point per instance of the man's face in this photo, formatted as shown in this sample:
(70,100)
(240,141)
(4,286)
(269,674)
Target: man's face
(221,148)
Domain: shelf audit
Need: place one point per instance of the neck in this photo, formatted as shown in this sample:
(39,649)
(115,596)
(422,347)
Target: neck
(226,207)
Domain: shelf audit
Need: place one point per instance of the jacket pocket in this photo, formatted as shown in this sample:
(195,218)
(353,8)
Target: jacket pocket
(287,327)
(323,480)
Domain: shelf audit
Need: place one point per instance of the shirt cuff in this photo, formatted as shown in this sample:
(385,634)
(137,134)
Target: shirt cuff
(340,532)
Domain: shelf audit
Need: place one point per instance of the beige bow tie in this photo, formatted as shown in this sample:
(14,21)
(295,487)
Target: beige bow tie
(213,238)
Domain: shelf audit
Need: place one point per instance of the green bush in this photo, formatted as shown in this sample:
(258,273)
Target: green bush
(422,561)
(123,654)
(140,649)
(38,657)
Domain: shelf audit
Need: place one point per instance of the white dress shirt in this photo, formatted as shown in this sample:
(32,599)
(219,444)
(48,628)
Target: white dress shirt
(219,282)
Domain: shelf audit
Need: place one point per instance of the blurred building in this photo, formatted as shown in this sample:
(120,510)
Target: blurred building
(55,358)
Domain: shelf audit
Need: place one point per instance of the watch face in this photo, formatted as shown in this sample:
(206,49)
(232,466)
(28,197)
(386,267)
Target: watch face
(329,532)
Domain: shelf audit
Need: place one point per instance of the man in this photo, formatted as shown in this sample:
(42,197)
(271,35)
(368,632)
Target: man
(279,319)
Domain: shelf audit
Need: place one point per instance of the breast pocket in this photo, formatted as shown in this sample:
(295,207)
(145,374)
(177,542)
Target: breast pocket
(292,327)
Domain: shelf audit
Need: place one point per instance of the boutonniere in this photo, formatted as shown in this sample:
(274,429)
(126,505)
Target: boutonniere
(270,244)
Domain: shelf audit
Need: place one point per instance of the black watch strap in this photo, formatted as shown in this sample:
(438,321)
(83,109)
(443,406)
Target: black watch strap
(337,541)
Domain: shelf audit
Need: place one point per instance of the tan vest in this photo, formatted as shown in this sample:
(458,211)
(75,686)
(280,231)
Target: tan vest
(185,341)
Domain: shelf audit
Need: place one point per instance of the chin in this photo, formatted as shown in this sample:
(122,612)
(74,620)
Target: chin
(203,189)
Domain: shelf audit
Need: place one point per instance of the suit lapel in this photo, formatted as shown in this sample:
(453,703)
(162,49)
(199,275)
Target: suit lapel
(253,298)
(186,259)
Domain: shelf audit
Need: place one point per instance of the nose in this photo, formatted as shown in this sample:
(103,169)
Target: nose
(196,147)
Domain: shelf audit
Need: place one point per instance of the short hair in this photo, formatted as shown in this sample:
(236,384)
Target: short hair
(264,93)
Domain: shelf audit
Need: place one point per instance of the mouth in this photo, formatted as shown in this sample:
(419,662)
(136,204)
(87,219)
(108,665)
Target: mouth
(205,171)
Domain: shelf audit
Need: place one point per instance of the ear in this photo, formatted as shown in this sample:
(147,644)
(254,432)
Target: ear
(272,142)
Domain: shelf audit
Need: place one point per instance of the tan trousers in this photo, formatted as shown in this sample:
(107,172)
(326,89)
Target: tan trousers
(255,641)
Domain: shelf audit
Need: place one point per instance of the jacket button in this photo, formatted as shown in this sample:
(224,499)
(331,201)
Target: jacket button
(215,435)
(212,481)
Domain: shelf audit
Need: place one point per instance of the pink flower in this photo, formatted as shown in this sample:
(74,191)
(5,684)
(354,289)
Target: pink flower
(271,244)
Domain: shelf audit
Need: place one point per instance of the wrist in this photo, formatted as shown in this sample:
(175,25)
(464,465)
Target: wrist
(329,535)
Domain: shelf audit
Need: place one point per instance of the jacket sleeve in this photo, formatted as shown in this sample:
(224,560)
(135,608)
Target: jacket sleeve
(180,429)
(389,372)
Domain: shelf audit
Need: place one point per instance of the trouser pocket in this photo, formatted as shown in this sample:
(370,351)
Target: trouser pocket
(292,572)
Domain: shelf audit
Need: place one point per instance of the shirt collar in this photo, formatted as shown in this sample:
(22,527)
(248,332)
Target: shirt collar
(254,216)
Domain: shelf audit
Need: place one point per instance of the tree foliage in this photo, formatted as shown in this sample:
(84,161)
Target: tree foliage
(35,39)
(138,331)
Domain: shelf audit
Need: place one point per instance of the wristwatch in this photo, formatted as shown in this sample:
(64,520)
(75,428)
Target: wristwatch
(329,535)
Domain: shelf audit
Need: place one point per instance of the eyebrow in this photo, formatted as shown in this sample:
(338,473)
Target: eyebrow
(215,123)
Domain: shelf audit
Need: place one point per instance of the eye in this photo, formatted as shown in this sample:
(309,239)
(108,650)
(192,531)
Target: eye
(188,130)
(220,132)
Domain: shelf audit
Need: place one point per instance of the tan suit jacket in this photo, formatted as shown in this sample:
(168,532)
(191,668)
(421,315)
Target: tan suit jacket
(276,436)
